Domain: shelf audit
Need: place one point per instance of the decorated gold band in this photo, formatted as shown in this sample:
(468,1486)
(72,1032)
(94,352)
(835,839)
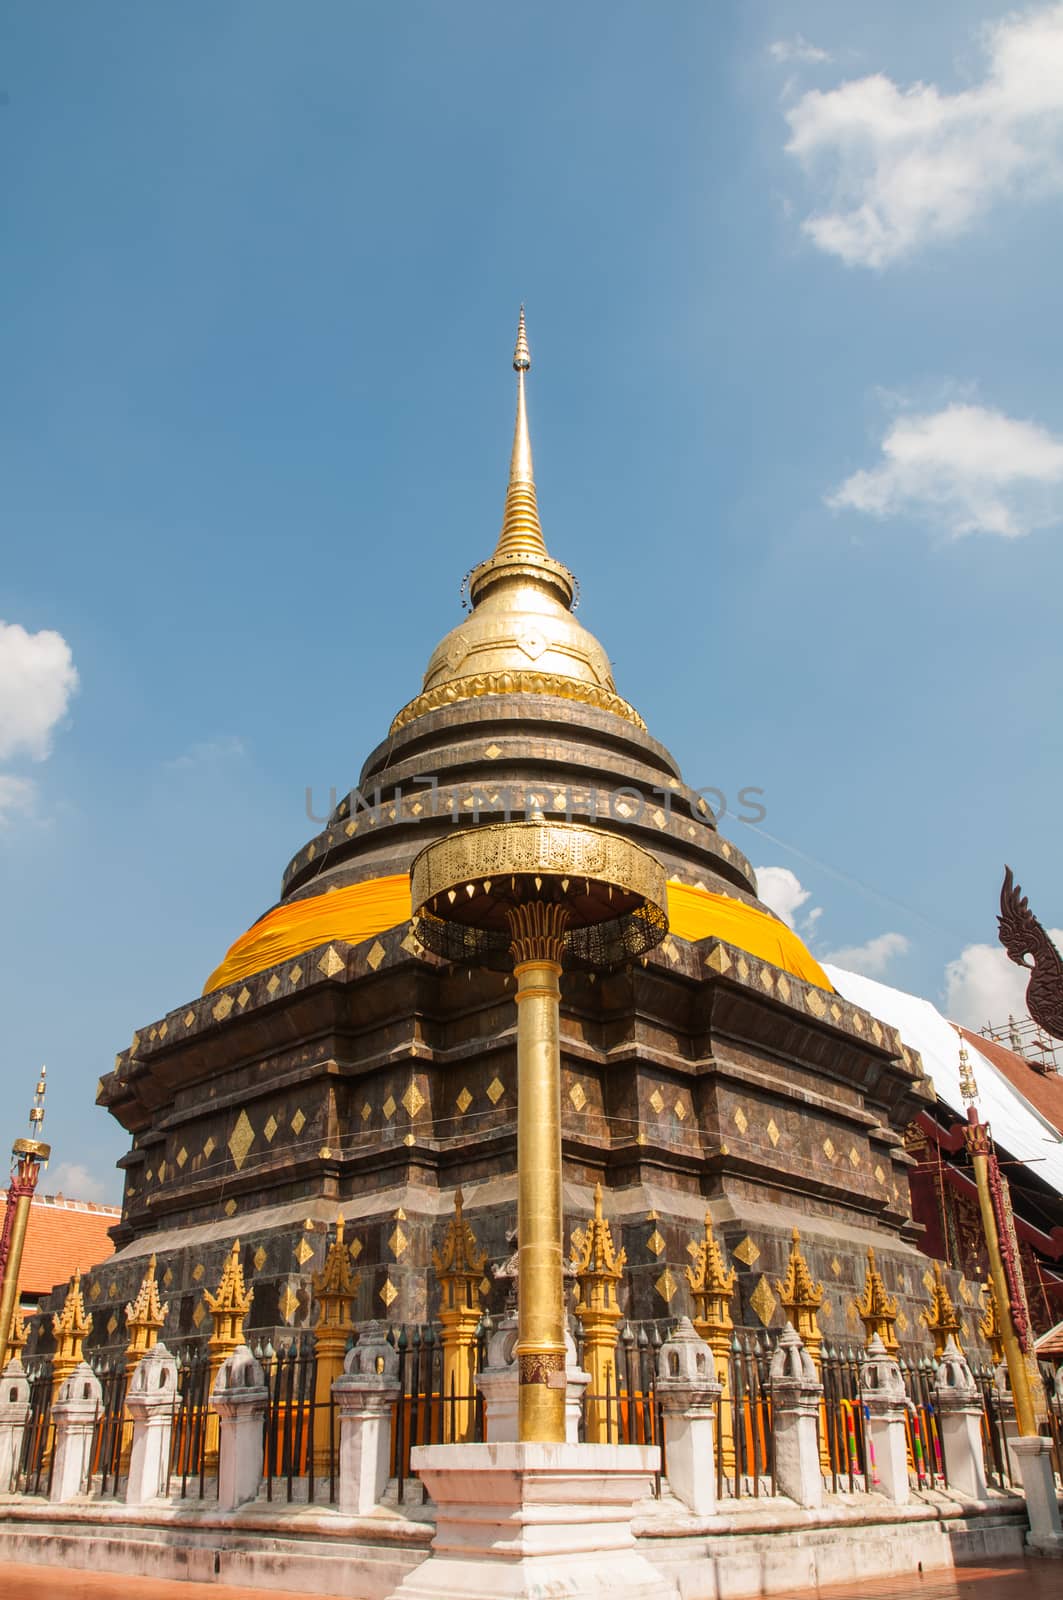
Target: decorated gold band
(517,682)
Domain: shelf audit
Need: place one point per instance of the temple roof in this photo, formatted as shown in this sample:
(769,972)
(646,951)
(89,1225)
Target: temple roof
(62,1237)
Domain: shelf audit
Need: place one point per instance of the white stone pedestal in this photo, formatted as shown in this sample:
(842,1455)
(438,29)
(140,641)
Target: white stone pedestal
(527,1521)
(150,1402)
(240,1398)
(14,1412)
(365,1406)
(74,1414)
(497,1383)
(1034,1455)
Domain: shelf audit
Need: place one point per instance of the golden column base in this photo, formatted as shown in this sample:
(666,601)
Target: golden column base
(537,949)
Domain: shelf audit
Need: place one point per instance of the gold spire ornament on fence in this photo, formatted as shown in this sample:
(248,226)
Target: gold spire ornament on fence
(876,1309)
(144,1319)
(228,1306)
(801,1298)
(989,1325)
(459,1269)
(599,1267)
(941,1319)
(334,1288)
(71,1328)
(712,1286)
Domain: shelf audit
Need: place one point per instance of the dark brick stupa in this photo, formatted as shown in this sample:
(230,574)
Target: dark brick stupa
(334,1065)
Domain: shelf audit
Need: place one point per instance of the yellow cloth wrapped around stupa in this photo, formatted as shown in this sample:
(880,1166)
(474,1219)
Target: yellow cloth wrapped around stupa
(362,910)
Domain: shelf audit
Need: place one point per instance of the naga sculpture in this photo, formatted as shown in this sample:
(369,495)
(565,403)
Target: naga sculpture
(1022,935)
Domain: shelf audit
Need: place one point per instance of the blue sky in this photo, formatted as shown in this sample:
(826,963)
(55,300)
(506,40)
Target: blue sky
(792,284)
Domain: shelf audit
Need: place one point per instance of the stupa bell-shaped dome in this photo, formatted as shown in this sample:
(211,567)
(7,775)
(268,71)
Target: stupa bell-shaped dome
(520,634)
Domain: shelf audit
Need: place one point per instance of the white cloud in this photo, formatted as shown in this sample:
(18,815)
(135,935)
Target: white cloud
(782,890)
(901,167)
(982,985)
(17,796)
(798,49)
(37,679)
(966,468)
(208,753)
(872,958)
(76,1182)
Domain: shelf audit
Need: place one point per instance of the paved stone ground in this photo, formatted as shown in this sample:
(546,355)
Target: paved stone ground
(1028,1580)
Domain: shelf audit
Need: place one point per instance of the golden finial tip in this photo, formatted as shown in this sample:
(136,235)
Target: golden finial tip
(521,353)
(797,1236)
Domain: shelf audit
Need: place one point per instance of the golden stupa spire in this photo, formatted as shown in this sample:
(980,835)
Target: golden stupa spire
(522,533)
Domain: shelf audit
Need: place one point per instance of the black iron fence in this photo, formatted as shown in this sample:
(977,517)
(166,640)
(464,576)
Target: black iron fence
(301,1426)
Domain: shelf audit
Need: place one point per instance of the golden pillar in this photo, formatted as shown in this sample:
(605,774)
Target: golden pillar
(941,1319)
(27,1158)
(876,1309)
(71,1328)
(459,1267)
(712,1286)
(334,1288)
(977,1139)
(228,1306)
(599,1268)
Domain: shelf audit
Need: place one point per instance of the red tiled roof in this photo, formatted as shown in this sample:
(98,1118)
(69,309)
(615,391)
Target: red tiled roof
(62,1237)
(1044,1090)
(1051,1343)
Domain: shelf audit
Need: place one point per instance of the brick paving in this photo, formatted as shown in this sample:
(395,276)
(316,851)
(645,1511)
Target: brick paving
(1016,1580)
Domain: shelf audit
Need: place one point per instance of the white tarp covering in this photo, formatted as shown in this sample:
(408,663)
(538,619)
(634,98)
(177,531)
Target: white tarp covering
(1018,1128)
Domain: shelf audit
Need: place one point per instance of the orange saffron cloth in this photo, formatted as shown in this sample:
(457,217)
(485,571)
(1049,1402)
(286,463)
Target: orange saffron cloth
(362,910)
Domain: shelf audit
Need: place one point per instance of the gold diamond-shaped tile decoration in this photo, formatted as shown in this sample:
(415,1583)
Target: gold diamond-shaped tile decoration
(296,973)
(376,954)
(693,1249)
(666,1286)
(826,1311)
(259,1258)
(199,1314)
(902,1323)
(655,1243)
(182,1156)
(577,1096)
(356,1249)
(767,981)
(680,1110)
(763,1301)
(782,985)
(413,1099)
(464,1101)
(270,1129)
(197,1272)
(209,1148)
(161,1174)
(149,1175)
(740,1120)
(835,1010)
(112,1323)
(303,1251)
(858,1022)
(351,829)
(95,1292)
(965,1293)
(928,1281)
(331,962)
(743,968)
(718,960)
(659,818)
(222,1007)
(112,1290)
(854,1157)
(243,997)
(828,1149)
(816,1003)
(400,1215)
(876,1032)
(746,1252)
(398,1242)
(167,1277)
(495,1091)
(230,1207)
(367,1111)
(835,1266)
(273,985)
(486,1286)
(657,1101)
(773,1132)
(409,1138)
(164,1028)
(298,1122)
(670,949)
(288,1304)
(412,946)
(880,1175)
(622,809)
(492,752)
(389,1107)
(389,1294)
(852,1320)
(311,852)
(241,1139)
(189,1018)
